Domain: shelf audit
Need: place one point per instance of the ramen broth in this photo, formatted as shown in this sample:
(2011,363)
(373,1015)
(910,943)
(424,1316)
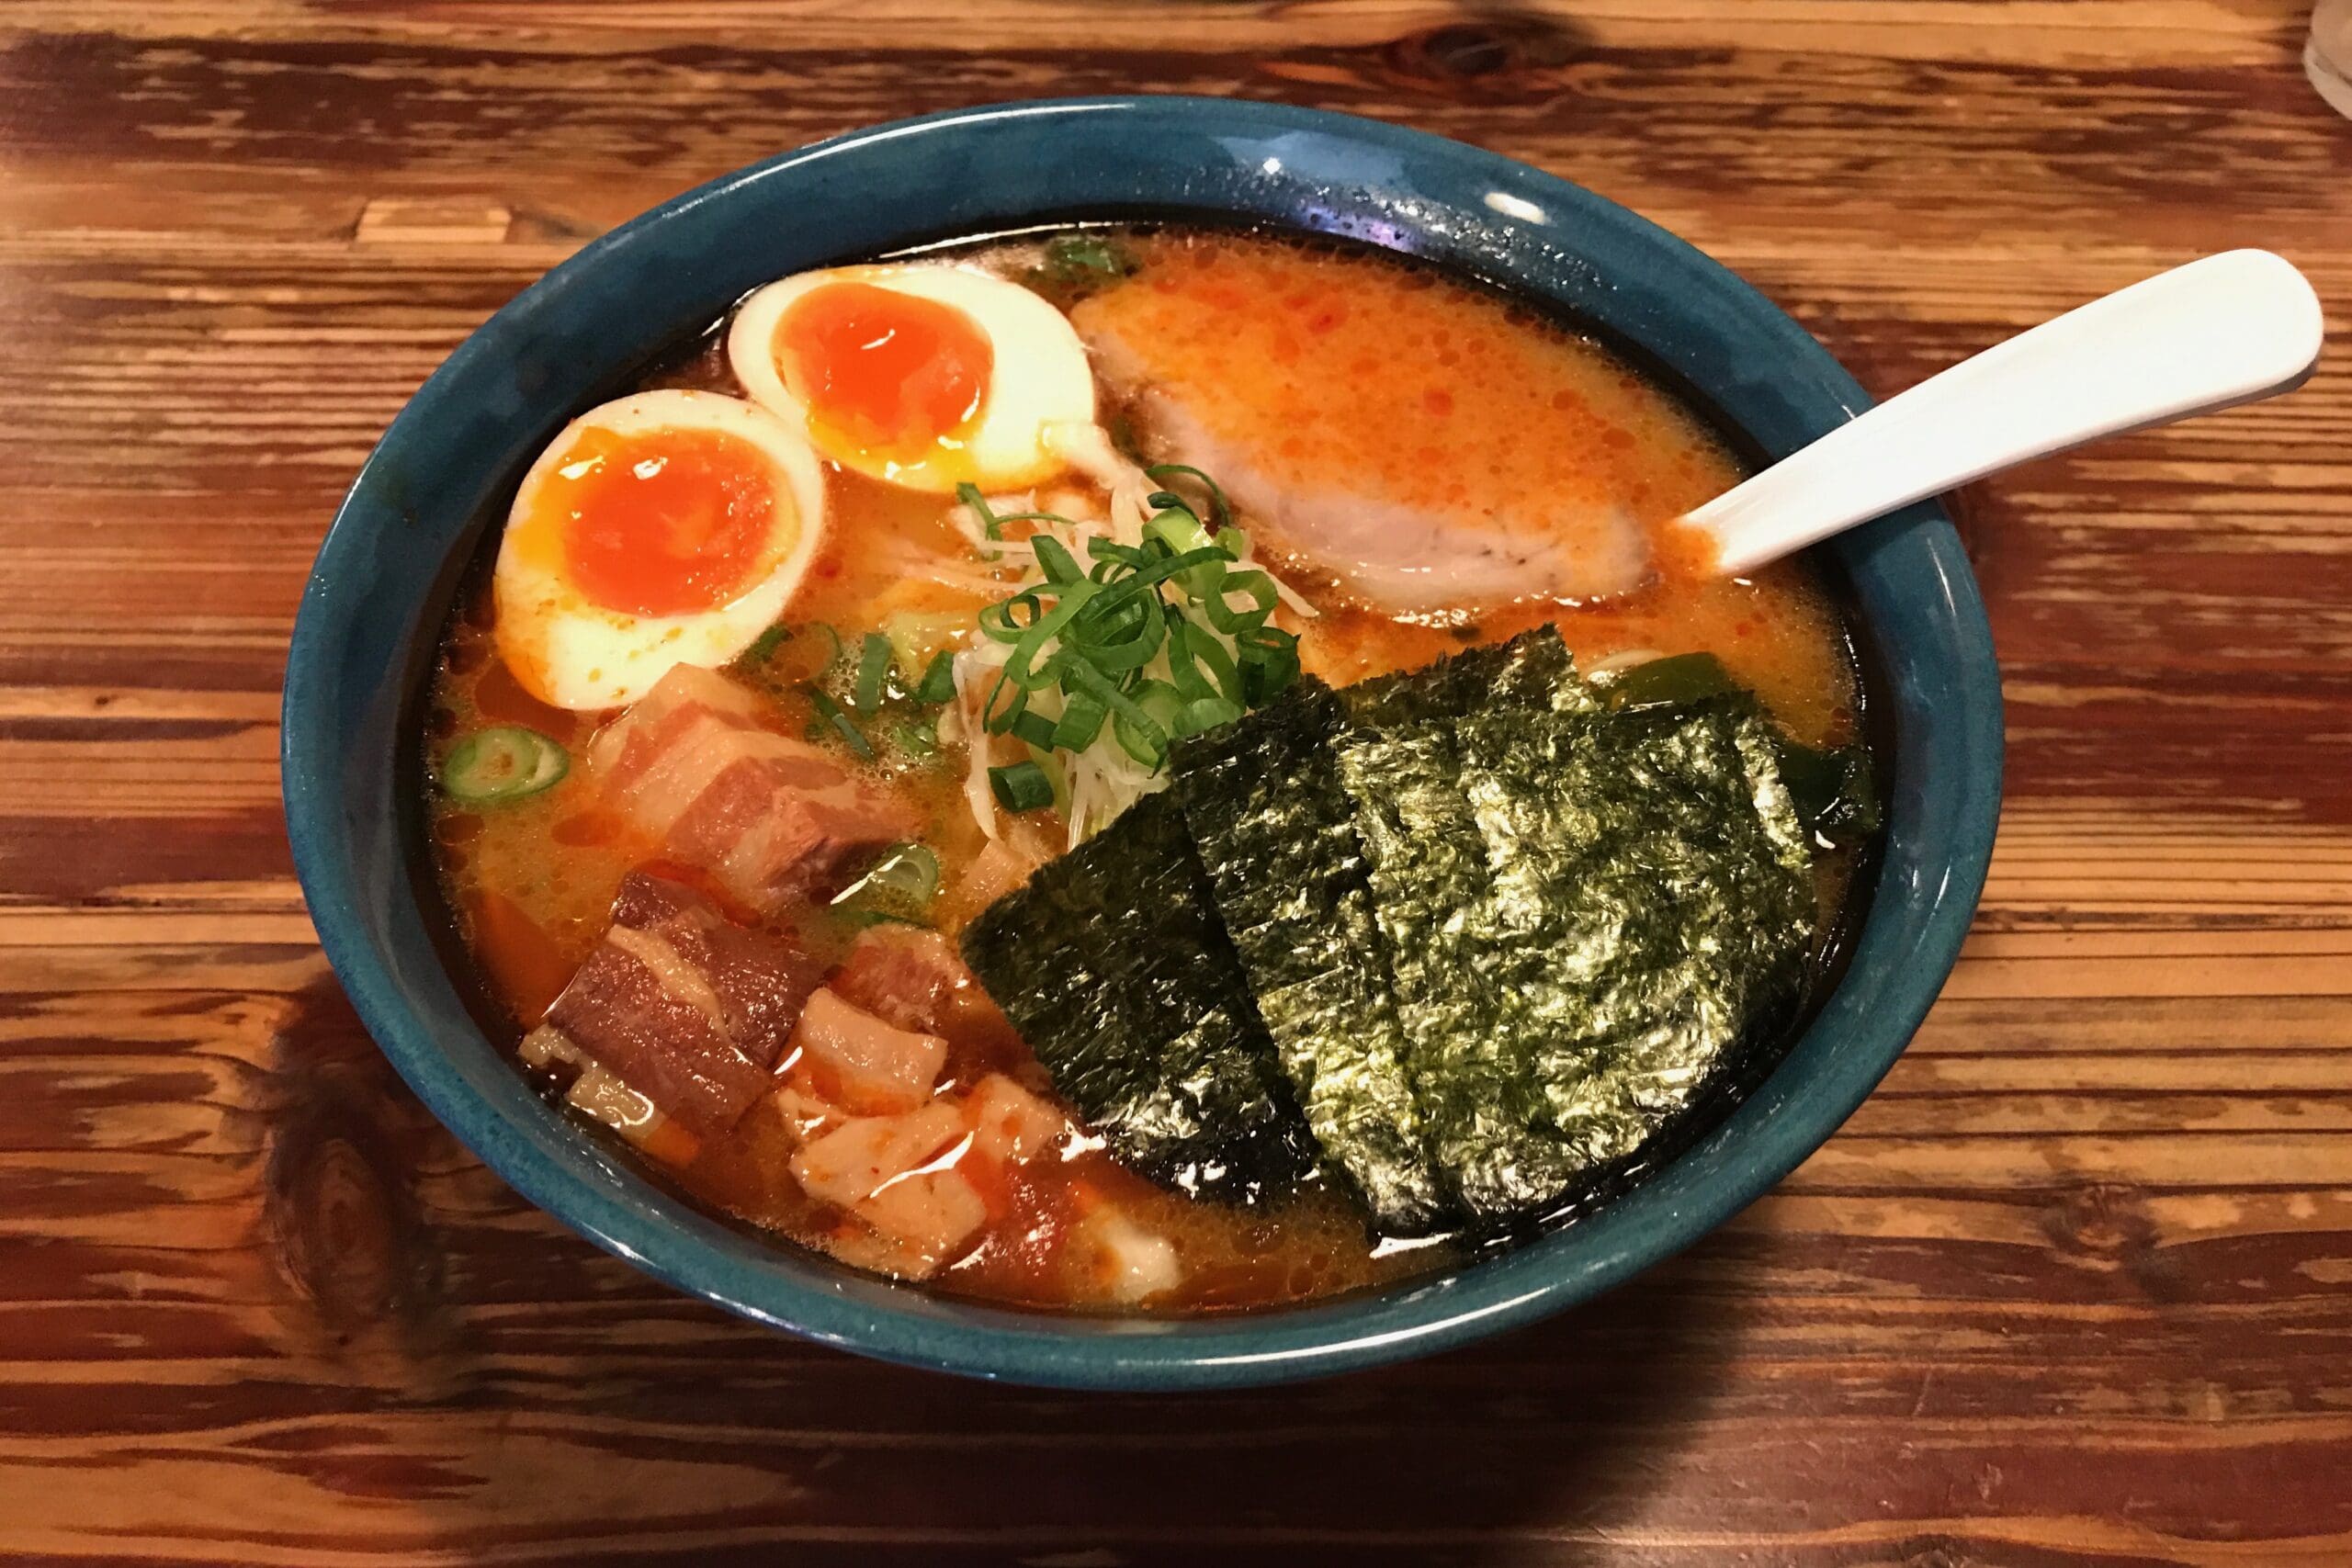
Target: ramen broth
(1407,380)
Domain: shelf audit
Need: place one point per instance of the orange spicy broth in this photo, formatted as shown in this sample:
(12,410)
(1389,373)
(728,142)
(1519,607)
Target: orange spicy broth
(1378,346)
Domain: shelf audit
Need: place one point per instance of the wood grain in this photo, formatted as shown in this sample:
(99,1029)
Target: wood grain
(2075,1286)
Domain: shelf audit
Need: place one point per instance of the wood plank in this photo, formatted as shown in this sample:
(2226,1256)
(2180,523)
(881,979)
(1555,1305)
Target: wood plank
(2074,1287)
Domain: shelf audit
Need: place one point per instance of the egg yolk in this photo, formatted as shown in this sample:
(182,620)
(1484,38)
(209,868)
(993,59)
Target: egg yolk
(895,373)
(662,522)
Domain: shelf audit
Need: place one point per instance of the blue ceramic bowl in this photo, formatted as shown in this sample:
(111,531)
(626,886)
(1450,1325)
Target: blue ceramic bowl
(385,576)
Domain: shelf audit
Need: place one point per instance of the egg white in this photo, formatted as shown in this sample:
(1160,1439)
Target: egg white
(1040,376)
(572,652)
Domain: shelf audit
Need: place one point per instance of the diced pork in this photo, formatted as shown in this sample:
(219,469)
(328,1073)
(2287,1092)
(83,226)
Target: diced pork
(598,1093)
(929,1217)
(853,1162)
(805,1114)
(698,764)
(861,1062)
(1012,1125)
(898,1175)
(909,977)
(686,1009)
(1130,1263)
(1003,866)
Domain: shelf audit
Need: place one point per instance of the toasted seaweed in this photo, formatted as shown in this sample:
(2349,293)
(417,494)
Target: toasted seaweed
(1275,831)
(1116,970)
(1650,908)
(1477,936)
(1401,763)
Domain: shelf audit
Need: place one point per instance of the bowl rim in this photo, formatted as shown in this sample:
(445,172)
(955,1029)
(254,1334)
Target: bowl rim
(1764,1138)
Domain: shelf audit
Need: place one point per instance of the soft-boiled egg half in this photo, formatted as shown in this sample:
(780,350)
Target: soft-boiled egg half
(662,528)
(925,375)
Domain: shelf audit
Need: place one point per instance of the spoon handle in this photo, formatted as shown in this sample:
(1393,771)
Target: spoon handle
(2229,329)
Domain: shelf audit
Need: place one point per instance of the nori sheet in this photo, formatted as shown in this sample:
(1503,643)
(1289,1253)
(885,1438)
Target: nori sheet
(1650,907)
(1116,969)
(1275,829)
(1498,937)
(1401,763)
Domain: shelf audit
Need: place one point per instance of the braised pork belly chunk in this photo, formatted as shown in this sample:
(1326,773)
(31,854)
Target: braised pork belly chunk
(677,1018)
(861,1062)
(699,765)
(905,975)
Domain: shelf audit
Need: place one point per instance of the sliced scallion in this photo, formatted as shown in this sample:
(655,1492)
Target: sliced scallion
(916,738)
(1220,509)
(1034,728)
(1081,721)
(1054,562)
(1153,640)
(1021,786)
(1204,713)
(871,686)
(763,645)
(503,762)
(938,682)
(831,715)
(907,874)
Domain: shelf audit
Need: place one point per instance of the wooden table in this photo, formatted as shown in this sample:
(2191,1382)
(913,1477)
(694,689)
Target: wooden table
(2075,1286)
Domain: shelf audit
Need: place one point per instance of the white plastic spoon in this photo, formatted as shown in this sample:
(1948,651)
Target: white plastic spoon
(2222,331)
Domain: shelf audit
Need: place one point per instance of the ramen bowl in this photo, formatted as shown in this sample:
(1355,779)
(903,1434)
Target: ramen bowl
(388,572)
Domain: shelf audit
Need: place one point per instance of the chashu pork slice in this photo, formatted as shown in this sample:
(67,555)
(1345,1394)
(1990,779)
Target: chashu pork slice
(1350,444)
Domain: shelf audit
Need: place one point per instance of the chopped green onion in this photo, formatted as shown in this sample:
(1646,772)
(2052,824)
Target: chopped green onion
(1081,721)
(1669,682)
(831,712)
(503,762)
(763,646)
(1096,638)
(907,874)
(1232,622)
(1034,728)
(969,494)
(1204,713)
(916,738)
(1268,657)
(938,682)
(1221,512)
(1021,786)
(1211,652)
(1022,669)
(1121,641)
(1089,253)
(832,644)
(873,674)
(916,635)
(1109,554)
(1078,264)
(1054,561)
(992,523)
(859,919)
(1175,526)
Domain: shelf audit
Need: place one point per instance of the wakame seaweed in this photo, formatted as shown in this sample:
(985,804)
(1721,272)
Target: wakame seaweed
(1271,821)
(1116,969)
